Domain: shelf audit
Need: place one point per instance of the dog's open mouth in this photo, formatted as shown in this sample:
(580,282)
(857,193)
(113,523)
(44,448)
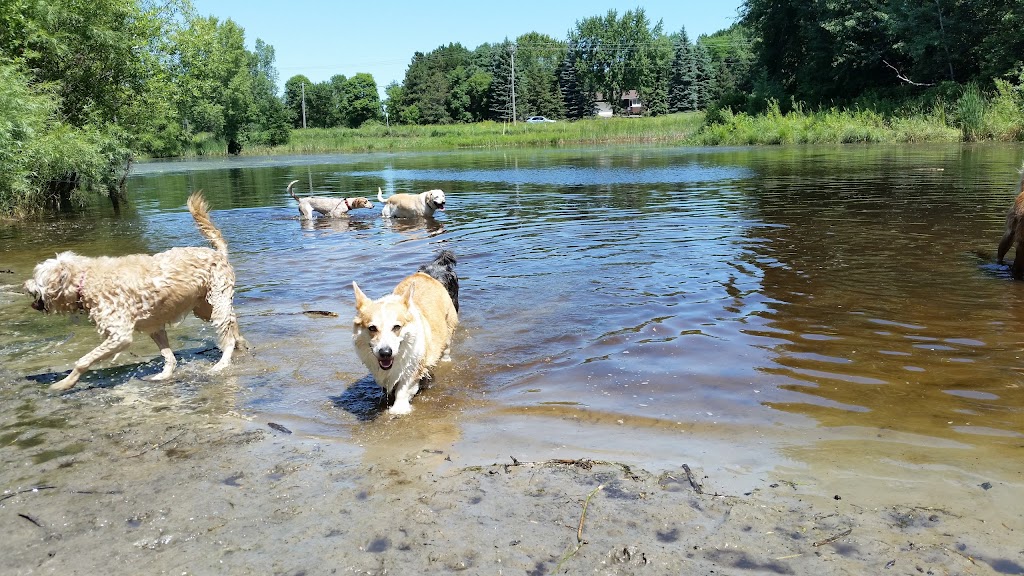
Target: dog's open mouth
(385,363)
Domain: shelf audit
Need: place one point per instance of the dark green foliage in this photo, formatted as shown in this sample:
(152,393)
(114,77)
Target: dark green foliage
(576,101)
(503,88)
(538,57)
(429,83)
(732,59)
(360,101)
(827,53)
(616,54)
(682,91)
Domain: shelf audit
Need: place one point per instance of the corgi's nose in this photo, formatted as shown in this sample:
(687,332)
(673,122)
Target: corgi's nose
(384,353)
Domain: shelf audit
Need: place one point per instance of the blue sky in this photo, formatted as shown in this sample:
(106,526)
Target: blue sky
(321,39)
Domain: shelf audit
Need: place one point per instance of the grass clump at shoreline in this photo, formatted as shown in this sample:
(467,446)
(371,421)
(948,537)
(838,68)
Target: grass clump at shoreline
(823,127)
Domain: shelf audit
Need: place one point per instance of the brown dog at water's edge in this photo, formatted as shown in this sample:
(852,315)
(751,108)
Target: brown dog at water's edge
(403,335)
(1015,231)
(329,207)
(144,293)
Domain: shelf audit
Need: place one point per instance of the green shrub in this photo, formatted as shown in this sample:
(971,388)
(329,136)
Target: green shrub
(970,113)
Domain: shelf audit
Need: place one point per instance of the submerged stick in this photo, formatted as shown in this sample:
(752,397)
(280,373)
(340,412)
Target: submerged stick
(693,483)
(33,489)
(832,539)
(30,519)
(158,445)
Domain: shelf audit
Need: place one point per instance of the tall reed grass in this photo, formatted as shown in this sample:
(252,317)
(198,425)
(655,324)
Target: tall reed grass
(831,126)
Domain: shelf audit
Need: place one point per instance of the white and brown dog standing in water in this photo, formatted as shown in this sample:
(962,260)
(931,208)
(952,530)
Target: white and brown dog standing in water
(143,293)
(402,336)
(329,207)
(411,205)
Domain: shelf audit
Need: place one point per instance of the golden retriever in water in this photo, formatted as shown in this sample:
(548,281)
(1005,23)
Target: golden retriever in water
(329,207)
(142,292)
(411,205)
(1015,230)
(402,336)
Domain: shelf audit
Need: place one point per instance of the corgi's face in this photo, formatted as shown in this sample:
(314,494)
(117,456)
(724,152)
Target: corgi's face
(383,325)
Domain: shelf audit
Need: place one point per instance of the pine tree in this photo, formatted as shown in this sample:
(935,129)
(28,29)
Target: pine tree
(682,92)
(578,104)
(704,78)
(500,95)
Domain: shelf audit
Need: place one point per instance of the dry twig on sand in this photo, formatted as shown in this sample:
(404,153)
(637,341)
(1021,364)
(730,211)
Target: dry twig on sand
(579,531)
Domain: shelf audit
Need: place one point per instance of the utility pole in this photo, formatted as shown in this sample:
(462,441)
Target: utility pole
(512,49)
(303,104)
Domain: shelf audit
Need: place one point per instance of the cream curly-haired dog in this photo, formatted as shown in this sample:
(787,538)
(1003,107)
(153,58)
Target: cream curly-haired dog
(143,293)
(329,207)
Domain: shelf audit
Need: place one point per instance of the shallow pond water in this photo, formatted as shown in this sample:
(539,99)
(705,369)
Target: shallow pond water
(745,308)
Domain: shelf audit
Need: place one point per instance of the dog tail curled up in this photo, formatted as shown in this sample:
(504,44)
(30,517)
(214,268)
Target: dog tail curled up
(290,184)
(201,214)
(442,269)
(380,195)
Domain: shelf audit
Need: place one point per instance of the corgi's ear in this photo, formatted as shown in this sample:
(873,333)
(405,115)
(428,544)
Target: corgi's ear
(407,297)
(361,299)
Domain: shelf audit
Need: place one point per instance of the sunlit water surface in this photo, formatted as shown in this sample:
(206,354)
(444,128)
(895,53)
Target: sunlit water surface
(740,308)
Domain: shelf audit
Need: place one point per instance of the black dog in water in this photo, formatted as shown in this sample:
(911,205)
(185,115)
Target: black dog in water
(442,269)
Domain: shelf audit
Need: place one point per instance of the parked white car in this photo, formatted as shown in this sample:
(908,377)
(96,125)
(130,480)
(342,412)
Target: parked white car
(538,119)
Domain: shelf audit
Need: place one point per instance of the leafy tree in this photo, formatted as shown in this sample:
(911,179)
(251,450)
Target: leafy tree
(392,104)
(829,52)
(44,162)
(294,90)
(732,59)
(428,84)
(337,114)
(362,102)
(538,57)
(268,121)
(616,54)
(321,106)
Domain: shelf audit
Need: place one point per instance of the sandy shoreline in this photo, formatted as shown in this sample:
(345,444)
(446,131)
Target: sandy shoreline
(108,481)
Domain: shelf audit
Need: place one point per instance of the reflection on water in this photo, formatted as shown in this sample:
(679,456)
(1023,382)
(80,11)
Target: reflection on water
(668,291)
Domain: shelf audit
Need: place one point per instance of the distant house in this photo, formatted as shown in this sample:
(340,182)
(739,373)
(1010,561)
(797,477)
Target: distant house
(629,101)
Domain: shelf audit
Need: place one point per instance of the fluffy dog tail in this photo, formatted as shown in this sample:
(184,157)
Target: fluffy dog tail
(201,214)
(380,195)
(442,269)
(290,184)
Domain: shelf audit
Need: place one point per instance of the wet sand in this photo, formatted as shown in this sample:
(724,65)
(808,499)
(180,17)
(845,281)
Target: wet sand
(143,479)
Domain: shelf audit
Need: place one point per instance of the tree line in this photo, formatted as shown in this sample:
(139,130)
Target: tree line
(87,86)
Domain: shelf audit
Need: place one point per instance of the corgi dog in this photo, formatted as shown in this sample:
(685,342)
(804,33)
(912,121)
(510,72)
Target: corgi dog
(400,337)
